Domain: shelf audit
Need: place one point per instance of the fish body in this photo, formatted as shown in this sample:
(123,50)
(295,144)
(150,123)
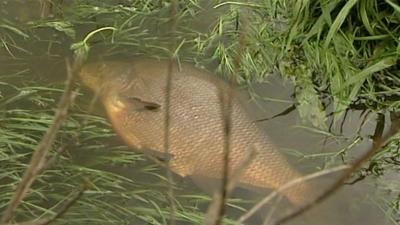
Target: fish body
(134,93)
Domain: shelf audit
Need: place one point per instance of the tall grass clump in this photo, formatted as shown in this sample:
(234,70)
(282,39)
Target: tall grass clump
(349,49)
(344,56)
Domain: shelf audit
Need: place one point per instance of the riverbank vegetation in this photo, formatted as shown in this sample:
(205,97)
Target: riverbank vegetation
(340,56)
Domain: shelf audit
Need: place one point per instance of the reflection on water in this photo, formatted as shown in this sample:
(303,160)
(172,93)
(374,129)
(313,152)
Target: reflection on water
(360,203)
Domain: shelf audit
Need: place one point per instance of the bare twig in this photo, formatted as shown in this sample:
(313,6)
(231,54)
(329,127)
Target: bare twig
(171,65)
(288,185)
(216,209)
(50,162)
(76,196)
(238,172)
(354,167)
(274,206)
(213,211)
(45,7)
(38,160)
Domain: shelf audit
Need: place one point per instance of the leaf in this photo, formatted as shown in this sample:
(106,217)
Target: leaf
(15,30)
(356,81)
(63,26)
(339,21)
(394,5)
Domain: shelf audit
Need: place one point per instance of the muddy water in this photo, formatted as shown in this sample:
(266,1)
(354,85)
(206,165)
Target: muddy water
(360,203)
(354,204)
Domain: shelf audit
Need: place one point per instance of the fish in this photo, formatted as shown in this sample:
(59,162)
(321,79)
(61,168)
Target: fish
(133,94)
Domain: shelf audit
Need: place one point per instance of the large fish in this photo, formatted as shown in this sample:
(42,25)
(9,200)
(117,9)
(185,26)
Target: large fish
(133,94)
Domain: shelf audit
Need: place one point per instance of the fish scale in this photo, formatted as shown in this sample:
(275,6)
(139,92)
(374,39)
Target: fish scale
(196,122)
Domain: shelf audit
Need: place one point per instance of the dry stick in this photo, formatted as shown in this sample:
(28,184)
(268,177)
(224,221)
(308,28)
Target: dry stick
(45,6)
(171,64)
(219,199)
(38,160)
(212,212)
(237,174)
(216,210)
(274,206)
(61,211)
(68,204)
(335,186)
(288,185)
(50,162)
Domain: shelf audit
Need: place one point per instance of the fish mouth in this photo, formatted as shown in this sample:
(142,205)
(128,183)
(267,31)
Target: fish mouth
(95,78)
(99,78)
(90,78)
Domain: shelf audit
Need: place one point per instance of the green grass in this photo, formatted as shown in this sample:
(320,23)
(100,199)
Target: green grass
(340,55)
(90,157)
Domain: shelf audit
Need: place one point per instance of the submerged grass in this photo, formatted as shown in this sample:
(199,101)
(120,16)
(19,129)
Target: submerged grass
(111,198)
(340,55)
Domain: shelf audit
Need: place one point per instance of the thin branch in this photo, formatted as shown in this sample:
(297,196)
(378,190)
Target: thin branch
(38,160)
(68,204)
(213,211)
(76,196)
(288,185)
(216,210)
(171,64)
(237,174)
(45,8)
(274,206)
(340,181)
(50,162)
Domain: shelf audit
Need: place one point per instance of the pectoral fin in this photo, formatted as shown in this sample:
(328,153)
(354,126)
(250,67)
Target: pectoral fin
(141,105)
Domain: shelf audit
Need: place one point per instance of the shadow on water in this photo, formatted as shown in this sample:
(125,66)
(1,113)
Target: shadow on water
(308,151)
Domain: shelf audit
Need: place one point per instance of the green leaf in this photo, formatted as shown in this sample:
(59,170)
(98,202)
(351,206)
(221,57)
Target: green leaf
(339,21)
(15,30)
(63,26)
(395,6)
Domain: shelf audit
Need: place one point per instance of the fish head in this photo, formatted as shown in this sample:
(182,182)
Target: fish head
(104,77)
(110,81)
(127,102)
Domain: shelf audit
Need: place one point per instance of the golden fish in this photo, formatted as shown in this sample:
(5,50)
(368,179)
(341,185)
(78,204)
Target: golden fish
(133,94)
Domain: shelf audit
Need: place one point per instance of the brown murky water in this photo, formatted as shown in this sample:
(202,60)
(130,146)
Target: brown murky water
(361,203)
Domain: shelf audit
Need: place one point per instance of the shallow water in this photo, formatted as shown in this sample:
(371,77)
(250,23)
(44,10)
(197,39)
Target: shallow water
(360,203)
